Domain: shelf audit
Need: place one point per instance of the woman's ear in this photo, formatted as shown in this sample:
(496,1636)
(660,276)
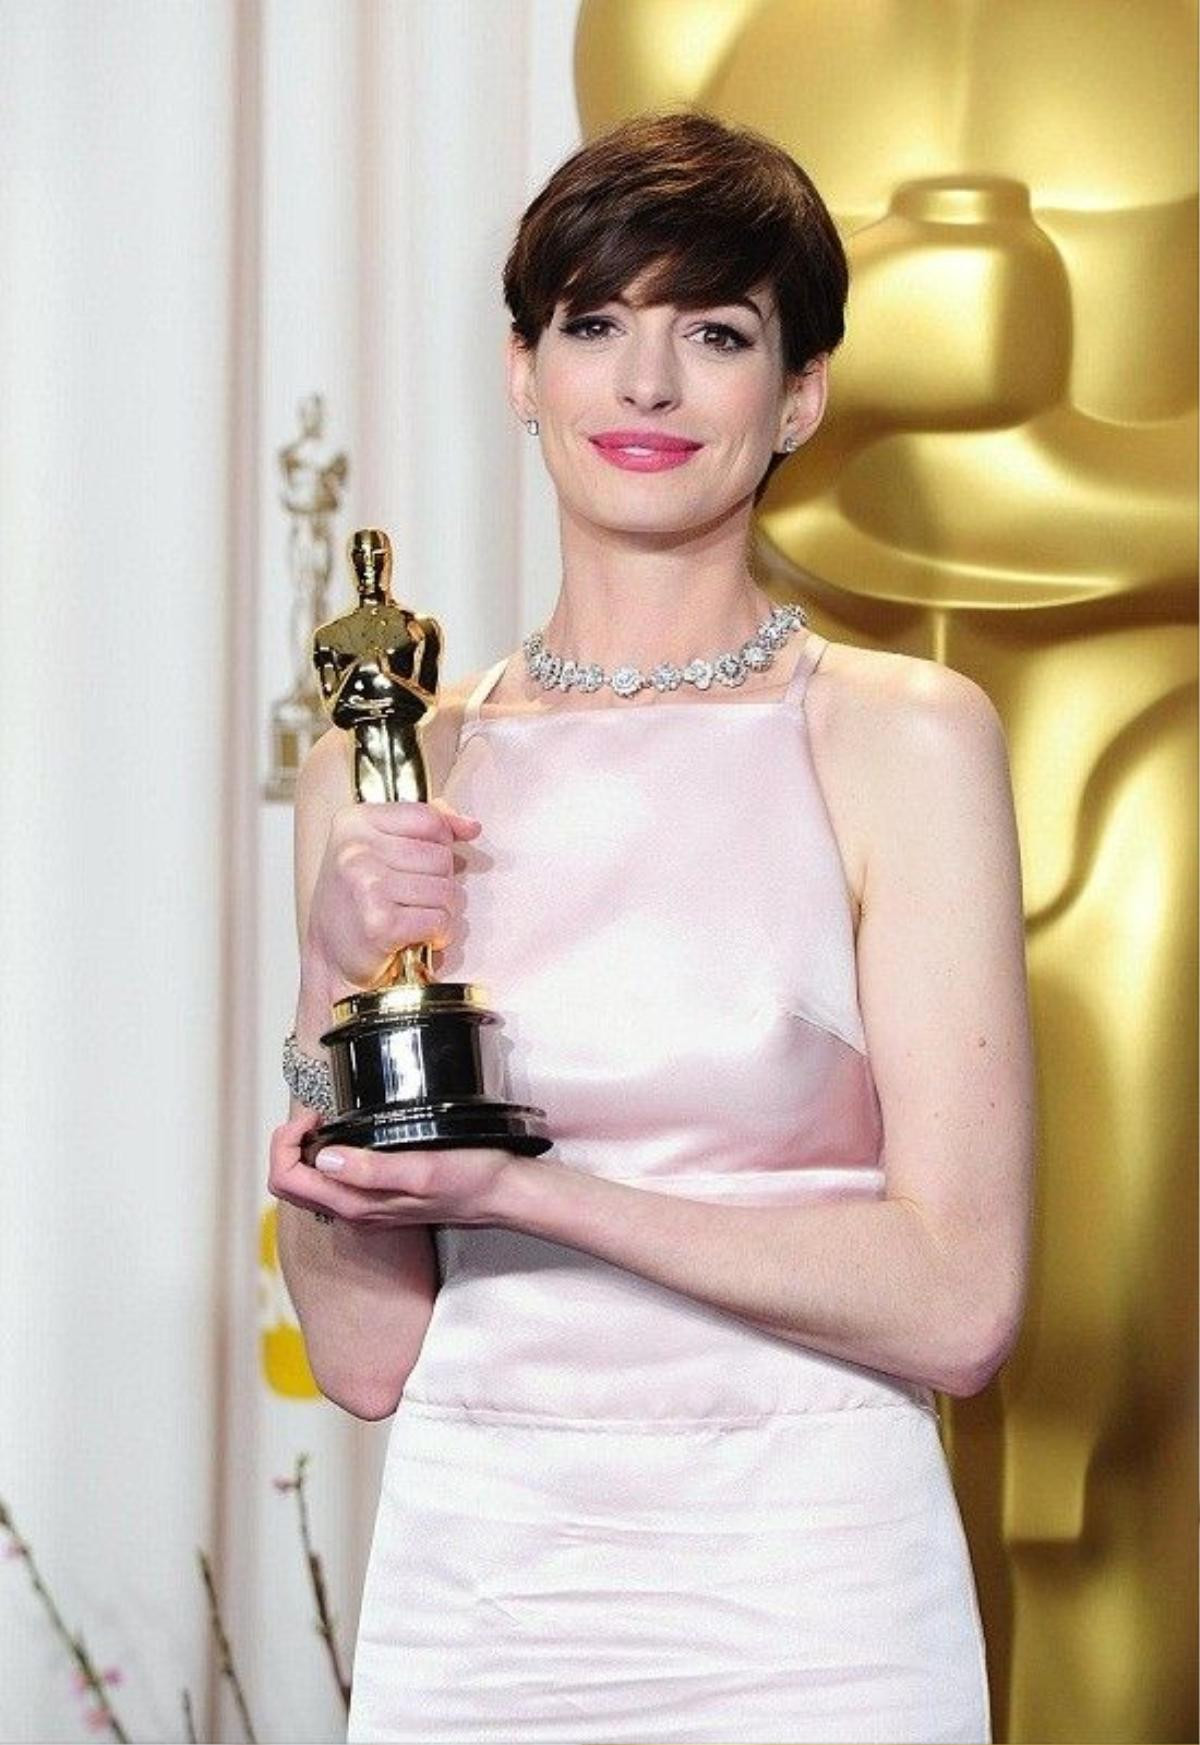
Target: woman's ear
(520,359)
(804,401)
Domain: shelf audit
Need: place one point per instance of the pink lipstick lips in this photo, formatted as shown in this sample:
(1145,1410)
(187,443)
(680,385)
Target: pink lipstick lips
(644,451)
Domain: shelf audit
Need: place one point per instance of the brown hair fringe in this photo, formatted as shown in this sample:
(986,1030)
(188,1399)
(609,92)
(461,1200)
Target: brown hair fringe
(704,210)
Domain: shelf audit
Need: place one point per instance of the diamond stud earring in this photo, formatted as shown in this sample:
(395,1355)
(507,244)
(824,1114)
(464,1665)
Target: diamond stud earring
(532,426)
(791,444)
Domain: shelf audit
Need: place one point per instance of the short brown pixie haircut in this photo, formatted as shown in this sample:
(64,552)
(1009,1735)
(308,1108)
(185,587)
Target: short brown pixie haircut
(706,211)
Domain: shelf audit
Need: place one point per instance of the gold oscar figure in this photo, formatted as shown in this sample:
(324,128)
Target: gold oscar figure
(1005,482)
(414,1061)
(313,480)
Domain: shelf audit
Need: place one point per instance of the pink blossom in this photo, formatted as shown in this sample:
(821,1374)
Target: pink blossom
(81,1683)
(285,1484)
(14,1548)
(96,1717)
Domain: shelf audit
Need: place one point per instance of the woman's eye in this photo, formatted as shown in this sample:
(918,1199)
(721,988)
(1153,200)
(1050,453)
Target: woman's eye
(718,337)
(715,335)
(583,327)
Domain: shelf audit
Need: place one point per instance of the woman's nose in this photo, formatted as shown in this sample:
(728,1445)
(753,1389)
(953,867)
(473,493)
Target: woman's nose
(648,373)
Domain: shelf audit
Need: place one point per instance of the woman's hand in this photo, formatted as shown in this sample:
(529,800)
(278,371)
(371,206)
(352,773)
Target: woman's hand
(387,879)
(372,1188)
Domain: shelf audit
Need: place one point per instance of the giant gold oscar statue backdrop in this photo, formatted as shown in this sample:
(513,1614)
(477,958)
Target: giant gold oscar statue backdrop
(1005,484)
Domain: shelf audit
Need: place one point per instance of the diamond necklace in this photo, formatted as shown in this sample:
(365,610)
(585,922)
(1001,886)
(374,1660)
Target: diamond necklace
(731,668)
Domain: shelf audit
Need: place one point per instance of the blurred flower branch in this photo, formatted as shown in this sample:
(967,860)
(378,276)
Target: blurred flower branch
(95,1683)
(224,1651)
(102,1714)
(316,1576)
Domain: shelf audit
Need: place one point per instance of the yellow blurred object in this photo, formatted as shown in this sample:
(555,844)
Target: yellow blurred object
(284,1360)
(1006,483)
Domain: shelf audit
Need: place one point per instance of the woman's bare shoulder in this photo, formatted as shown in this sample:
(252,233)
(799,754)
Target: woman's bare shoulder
(439,737)
(882,692)
(453,698)
(325,776)
(892,732)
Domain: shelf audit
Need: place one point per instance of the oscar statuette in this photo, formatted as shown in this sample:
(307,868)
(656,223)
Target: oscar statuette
(415,1062)
(313,482)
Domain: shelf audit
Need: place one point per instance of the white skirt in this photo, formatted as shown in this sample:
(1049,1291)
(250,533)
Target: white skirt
(797,1577)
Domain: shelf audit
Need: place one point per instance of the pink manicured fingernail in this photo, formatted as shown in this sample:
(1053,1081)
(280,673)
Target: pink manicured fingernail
(330,1160)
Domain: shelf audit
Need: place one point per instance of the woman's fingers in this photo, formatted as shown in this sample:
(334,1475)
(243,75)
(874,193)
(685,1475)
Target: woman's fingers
(388,879)
(396,908)
(291,1179)
(286,1153)
(464,828)
(431,820)
(416,818)
(417,890)
(296,1127)
(355,1168)
(411,854)
(404,1187)
(346,1171)
(337,1191)
(388,926)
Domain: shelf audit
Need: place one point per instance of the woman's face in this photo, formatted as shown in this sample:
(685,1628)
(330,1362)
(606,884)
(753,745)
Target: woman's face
(660,420)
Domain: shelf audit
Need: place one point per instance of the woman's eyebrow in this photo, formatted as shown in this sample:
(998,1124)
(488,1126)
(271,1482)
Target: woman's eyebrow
(713,303)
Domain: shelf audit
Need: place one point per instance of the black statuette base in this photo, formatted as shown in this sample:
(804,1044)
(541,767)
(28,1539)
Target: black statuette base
(437,1126)
(429,1078)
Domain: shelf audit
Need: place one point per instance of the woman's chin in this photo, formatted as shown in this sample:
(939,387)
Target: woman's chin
(686,517)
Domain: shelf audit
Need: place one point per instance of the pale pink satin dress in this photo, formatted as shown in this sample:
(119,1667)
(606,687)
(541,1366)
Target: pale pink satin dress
(609,1511)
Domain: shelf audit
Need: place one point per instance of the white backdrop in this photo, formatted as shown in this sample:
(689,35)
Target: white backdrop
(210,208)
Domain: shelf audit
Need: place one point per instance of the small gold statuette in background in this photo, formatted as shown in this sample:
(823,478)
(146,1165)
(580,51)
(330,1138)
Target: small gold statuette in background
(313,480)
(415,1062)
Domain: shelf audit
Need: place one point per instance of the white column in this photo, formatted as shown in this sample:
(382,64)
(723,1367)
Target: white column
(117,129)
(310,129)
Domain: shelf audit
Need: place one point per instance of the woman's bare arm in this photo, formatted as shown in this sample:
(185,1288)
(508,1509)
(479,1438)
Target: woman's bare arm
(364,1297)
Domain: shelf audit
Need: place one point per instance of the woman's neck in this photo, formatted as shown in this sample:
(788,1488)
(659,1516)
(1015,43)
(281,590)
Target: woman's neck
(624,601)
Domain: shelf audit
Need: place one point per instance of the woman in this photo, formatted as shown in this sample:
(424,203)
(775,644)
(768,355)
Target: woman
(665,1464)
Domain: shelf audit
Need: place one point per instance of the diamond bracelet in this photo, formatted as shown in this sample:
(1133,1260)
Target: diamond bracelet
(310,1081)
(731,668)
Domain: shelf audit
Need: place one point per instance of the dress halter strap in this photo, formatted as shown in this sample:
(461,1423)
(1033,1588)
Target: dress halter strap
(807,662)
(479,695)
